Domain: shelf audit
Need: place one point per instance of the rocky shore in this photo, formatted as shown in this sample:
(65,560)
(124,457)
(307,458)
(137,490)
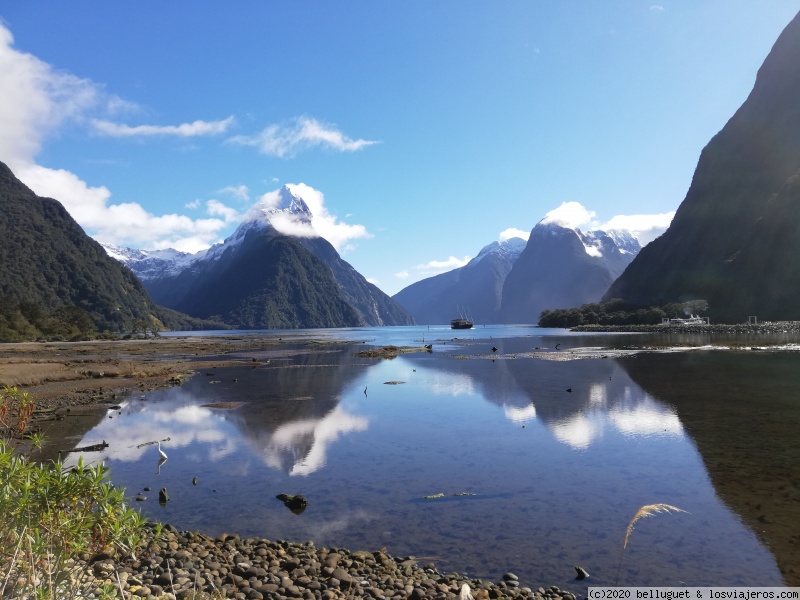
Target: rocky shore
(191,566)
(738,328)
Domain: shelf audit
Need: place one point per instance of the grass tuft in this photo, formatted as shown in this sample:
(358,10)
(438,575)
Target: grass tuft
(648,510)
(54,518)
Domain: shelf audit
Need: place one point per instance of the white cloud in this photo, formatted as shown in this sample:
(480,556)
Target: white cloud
(196,128)
(572,215)
(323,223)
(120,106)
(121,224)
(303,133)
(402,274)
(657,8)
(218,209)
(193,204)
(513,232)
(36,101)
(644,228)
(240,192)
(444,265)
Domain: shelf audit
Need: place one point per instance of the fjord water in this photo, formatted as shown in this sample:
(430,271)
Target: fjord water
(553,476)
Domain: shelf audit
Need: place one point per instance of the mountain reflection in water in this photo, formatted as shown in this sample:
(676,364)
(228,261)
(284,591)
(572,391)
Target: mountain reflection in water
(742,409)
(556,474)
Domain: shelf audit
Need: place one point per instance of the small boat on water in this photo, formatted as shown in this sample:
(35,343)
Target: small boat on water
(461,321)
(693,320)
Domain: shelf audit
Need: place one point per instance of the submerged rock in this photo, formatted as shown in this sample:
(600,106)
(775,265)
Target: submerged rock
(297,504)
(581,573)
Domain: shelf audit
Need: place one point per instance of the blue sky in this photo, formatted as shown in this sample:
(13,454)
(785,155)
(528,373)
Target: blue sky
(424,130)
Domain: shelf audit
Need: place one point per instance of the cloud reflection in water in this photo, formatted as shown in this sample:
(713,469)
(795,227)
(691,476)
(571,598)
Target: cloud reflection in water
(306,441)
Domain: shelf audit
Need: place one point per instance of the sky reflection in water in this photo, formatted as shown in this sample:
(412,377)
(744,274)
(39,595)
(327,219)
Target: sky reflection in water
(556,475)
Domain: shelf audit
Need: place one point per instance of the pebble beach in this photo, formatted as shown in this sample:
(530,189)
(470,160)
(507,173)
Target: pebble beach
(192,566)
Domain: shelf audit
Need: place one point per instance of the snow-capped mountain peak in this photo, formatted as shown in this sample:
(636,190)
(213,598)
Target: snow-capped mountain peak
(625,241)
(595,242)
(285,203)
(148,264)
(284,210)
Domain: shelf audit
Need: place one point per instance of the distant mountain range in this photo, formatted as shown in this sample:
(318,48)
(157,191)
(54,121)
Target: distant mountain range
(735,239)
(514,281)
(476,288)
(262,279)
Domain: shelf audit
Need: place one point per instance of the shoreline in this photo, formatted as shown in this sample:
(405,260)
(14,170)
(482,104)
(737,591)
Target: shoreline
(767,327)
(92,375)
(192,566)
(95,373)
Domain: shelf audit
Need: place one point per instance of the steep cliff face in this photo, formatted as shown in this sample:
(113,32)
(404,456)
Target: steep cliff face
(374,307)
(476,288)
(561,267)
(264,281)
(735,238)
(48,260)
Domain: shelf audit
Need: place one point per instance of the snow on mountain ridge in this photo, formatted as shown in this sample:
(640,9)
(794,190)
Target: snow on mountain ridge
(624,239)
(509,249)
(148,264)
(285,201)
(285,210)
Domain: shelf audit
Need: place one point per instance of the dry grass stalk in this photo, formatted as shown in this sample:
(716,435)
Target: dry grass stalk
(648,510)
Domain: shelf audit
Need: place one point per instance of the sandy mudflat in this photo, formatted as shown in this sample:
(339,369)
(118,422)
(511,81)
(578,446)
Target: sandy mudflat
(64,375)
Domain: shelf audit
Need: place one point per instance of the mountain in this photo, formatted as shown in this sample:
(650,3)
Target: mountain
(262,278)
(735,238)
(476,287)
(374,307)
(560,267)
(265,280)
(48,261)
(152,264)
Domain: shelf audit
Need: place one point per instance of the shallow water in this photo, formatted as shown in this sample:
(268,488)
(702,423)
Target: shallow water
(556,474)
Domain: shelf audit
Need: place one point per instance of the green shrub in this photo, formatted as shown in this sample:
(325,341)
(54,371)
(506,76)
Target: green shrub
(617,312)
(53,520)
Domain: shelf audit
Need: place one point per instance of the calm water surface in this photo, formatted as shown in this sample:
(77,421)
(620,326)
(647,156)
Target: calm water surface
(555,475)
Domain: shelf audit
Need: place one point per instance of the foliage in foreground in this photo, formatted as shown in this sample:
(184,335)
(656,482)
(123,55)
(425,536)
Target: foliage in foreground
(618,312)
(21,321)
(16,409)
(51,516)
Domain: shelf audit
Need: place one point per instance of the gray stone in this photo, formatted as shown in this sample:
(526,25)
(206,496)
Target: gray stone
(342,575)
(332,560)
